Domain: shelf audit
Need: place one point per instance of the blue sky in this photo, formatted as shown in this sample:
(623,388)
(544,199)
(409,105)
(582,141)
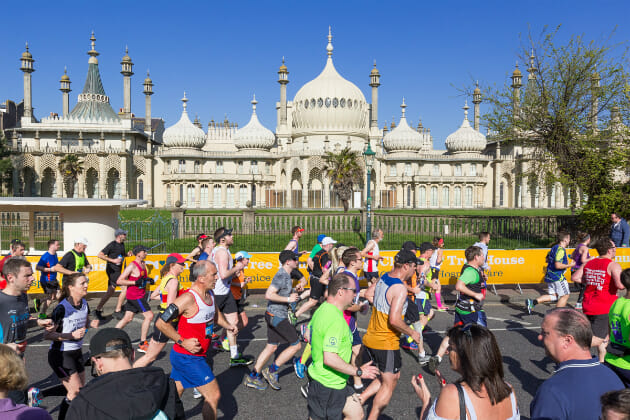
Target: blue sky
(221,53)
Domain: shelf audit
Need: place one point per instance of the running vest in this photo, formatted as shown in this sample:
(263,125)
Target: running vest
(553,273)
(79,261)
(199,326)
(600,292)
(370,265)
(222,287)
(433,259)
(467,303)
(577,257)
(73,319)
(134,292)
(379,335)
(164,292)
(618,351)
(297,247)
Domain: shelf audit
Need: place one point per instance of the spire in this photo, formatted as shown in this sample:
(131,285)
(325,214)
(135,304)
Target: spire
(466,108)
(93,53)
(254,102)
(329,47)
(403,106)
(184,100)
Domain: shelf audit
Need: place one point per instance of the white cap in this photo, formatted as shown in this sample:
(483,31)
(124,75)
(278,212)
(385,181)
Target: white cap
(328,240)
(81,240)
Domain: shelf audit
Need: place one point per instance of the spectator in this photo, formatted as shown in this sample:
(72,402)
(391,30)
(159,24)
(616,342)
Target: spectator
(616,405)
(120,391)
(12,378)
(574,390)
(619,231)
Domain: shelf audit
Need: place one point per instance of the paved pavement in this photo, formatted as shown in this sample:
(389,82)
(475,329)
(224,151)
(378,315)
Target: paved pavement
(525,363)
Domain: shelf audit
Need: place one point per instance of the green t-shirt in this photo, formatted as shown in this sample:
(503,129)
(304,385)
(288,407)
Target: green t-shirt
(469,276)
(619,324)
(315,250)
(329,332)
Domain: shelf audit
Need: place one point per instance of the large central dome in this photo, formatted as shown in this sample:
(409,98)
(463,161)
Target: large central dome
(329,104)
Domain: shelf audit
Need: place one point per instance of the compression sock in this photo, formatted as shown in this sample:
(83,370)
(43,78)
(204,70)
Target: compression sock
(438,298)
(306,353)
(233,352)
(273,368)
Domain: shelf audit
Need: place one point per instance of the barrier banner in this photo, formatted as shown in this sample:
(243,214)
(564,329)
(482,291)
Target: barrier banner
(525,266)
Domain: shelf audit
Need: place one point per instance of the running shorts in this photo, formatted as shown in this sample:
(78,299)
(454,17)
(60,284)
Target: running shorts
(326,403)
(226,303)
(50,287)
(599,325)
(138,306)
(280,330)
(478,318)
(65,363)
(317,289)
(560,288)
(387,361)
(191,371)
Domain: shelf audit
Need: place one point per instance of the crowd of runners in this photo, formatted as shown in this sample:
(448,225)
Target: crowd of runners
(312,324)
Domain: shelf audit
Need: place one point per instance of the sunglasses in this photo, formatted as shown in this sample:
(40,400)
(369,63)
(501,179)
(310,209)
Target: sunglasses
(352,289)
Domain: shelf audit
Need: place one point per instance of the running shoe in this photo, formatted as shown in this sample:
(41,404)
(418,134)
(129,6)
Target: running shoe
(37,303)
(255,382)
(530,305)
(42,315)
(304,389)
(300,368)
(143,347)
(34,397)
(272,378)
(292,318)
(409,346)
(442,308)
(99,315)
(423,360)
(216,346)
(241,360)
(196,394)
(578,305)
(434,363)
(225,344)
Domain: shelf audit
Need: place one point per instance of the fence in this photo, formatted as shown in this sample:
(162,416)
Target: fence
(265,232)
(34,234)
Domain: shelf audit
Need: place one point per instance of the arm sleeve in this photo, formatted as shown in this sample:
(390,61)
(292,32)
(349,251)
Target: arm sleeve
(42,261)
(313,252)
(468,276)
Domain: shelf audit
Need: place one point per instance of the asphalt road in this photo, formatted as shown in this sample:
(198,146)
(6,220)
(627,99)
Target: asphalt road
(525,364)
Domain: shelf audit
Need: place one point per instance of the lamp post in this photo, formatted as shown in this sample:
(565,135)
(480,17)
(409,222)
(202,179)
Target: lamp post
(368,156)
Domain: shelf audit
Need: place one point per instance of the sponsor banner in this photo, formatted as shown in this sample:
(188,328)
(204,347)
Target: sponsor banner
(525,266)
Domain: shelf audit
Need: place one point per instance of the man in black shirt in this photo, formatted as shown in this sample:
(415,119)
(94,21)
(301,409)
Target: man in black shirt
(321,262)
(114,253)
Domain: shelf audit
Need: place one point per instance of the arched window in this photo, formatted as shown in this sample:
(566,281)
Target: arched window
(240,167)
(242,196)
(436,170)
(181,193)
(169,196)
(190,196)
(469,197)
(446,199)
(216,199)
(422,197)
(434,196)
(408,196)
(203,197)
(254,167)
(458,170)
(229,197)
(181,167)
(197,167)
(501,186)
(219,167)
(457,196)
(407,169)
(473,169)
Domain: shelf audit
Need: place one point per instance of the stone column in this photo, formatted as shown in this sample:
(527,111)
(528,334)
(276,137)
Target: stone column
(124,192)
(37,180)
(59,180)
(102,178)
(81,182)
(223,195)
(326,193)
(148,182)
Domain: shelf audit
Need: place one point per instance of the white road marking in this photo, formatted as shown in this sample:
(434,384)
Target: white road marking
(507,319)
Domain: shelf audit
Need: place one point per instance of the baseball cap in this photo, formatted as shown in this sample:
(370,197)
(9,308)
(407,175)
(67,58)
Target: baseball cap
(287,255)
(242,254)
(409,246)
(328,240)
(320,238)
(201,236)
(425,246)
(174,258)
(138,249)
(81,240)
(404,256)
(226,232)
(119,232)
(98,343)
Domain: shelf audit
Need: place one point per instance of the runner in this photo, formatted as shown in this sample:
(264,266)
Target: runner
(329,396)
(226,269)
(239,288)
(294,245)
(580,256)
(317,289)
(557,264)
(71,320)
(468,308)
(381,342)
(197,310)
(194,255)
(17,251)
(135,277)
(169,289)
(315,250)
(618,351)
(279,330)
(114,253)
(48,278)
(372,256)
(75,260)
(436,259)
(207,245)
(602,277)
(484,241)
(419,310)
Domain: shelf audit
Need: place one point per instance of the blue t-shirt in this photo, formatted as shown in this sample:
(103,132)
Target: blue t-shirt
(573,391)
(48,260)
(204,256)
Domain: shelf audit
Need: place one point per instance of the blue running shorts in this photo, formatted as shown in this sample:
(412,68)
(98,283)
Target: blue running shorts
(191,371)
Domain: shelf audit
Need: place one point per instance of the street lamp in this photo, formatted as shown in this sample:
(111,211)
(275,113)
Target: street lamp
(368,156)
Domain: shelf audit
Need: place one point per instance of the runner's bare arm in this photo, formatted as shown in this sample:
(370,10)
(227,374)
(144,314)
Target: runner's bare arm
(335,362)
(368,247)
(224,323)
(123,278)
(222,261)
(272,295)
(60,269)
(398,296)
(615,273)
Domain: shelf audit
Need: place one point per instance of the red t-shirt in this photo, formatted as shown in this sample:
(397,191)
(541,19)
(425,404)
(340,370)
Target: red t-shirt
(600,292)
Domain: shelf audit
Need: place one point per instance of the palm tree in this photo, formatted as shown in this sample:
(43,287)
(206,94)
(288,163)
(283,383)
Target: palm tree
(344,171)
(70,167)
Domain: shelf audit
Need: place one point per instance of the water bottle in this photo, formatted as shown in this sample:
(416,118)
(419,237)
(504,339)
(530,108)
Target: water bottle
(121,260)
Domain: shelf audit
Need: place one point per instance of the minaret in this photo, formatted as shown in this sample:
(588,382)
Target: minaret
(283,79)
(531,71)
(127,72)
(375,77)
(27,68)
(595,78)
(476,102)
(516,97)
(65,89)
(148,91)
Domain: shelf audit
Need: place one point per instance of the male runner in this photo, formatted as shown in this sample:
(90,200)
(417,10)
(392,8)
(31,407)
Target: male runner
(194,255)
(17,251)
(135,277)
(75,260)
(279,296)
(226,269)
(315,250)
(48,278)
(319,263)
(114,253)
(207,245)
(381,342)
(294,245)
(197,311)
(372,256)
(419,310)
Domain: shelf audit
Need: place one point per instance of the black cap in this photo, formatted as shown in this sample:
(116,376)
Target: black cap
(409,246)
(287,255)
(139,248)
(98,343)
(425,246)
(224,232)
(404,257)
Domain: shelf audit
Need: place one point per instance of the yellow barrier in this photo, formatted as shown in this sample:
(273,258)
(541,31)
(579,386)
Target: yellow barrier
(526,266)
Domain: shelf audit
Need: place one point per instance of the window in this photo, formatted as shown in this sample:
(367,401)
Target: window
(434,197)
(392,169)
(422,197)
(446,199)
(169,196)
(190,196)
(229,197)
(469,196)
(181,194)
(458,170)
(181,167)
(254,166)
(267,168)
(216,199)
(203,197)
(457,196)
(501,186)
(407,169)
(168,166)
(242,196)
(408,196)
(140,190)
(219,167)
(240,167)
(473,170)
(436,170)
(197,167)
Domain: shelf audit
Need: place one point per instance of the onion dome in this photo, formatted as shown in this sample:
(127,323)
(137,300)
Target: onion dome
(184,133)
(330,104)
(374,71)
(27,54)
(466,138)
(516,71)
(65,77)
(126,58)
(254,135)
(403,138)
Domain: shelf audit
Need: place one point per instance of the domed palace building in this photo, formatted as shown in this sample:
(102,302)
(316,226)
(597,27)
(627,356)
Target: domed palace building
(230,167)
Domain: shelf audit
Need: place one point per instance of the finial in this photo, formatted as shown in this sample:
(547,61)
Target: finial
(466,107)
(26,45)
(126,49)
(147,72)
(254,102)
(329,47)
(283,59)
(516,63)
(374,63)
(403,106)
(184,100)
(93,52)
(65,70)
(477,83)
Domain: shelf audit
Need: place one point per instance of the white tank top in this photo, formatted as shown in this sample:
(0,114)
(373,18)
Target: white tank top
(222,287)
(205,312)
(433,259)
(369,264)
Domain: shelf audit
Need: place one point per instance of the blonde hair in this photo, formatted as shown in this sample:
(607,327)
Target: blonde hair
(12,370)
(336,254)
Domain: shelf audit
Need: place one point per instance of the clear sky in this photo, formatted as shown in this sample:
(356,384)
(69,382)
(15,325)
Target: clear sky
(221,53)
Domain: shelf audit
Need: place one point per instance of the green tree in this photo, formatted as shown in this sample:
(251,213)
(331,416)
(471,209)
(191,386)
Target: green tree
(70,166)
(6,166)
(344,171)
(569,119)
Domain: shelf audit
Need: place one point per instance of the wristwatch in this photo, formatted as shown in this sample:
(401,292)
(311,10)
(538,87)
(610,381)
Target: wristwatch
(359,372)
(180,341)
